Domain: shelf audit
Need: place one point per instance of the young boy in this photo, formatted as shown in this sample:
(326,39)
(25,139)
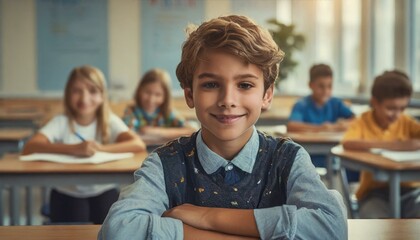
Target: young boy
(385,126)
(319,111)
(227,181)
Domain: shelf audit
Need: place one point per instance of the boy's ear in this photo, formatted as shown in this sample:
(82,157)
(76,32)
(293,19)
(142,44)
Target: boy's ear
(373,102)
(189,97)
(268,97)
(310,85)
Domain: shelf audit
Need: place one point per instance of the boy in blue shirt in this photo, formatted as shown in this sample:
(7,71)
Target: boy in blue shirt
(319,112)
(227,181)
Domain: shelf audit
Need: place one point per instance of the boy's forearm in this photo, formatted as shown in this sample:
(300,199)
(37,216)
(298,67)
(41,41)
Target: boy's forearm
(234,221)
(195,233)
(224,220)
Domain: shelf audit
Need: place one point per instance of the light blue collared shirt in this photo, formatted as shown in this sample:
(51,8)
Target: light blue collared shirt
(311,210)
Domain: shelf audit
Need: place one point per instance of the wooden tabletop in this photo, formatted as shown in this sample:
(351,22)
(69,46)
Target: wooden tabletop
(10,163)
(21,114)
(50,232)
(383,229)
(358,229)
(14,134)
(375,160)
(303,137)
(319,137)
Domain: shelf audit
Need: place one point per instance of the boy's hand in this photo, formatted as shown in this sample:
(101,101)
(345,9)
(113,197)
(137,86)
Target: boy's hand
(411,145)
(191,215)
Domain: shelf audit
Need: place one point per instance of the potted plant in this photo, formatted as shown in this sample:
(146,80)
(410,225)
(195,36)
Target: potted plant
(288,41)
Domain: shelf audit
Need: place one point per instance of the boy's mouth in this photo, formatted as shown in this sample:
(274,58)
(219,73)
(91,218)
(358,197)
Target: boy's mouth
(227,118)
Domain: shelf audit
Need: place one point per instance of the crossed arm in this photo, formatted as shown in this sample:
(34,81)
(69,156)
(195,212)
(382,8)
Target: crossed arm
(215,223)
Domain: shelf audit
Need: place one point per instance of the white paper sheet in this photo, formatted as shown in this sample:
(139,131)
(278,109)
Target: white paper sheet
(398,156)
(98,157)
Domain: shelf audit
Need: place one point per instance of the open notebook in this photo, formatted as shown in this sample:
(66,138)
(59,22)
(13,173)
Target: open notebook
(398,156)
(98,157)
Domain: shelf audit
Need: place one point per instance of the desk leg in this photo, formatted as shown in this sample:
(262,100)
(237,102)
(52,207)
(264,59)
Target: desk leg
(29,205)
(333,167)
(394,195)
(14,205)
(1,205)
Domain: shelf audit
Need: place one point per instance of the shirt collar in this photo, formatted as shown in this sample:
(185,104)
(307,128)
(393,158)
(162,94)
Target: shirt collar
(245,159)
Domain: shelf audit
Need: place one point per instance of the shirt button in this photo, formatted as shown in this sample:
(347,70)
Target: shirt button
(229,167)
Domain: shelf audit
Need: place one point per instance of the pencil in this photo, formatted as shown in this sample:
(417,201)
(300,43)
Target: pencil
(79,136)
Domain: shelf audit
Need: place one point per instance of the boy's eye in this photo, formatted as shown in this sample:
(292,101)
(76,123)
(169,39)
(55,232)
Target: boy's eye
(209,85)
(245,85)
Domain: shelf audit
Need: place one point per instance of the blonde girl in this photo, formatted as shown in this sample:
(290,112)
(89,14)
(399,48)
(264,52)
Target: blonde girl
(87,126)
(152,115)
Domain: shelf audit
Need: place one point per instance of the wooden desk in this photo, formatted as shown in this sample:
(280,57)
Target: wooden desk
(19,174)
(383,169)
(57,232)
(383,229)
(20,117)
(358,229)
(12,139)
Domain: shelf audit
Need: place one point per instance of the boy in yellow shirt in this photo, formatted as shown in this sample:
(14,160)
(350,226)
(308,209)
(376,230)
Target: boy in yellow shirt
(385,126)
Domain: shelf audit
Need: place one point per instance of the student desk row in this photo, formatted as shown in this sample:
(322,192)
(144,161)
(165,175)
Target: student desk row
(17,174)
(358,229)
(12,139)
(21,117)
(383,169)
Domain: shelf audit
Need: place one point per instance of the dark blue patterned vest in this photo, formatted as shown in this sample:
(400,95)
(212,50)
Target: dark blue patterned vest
(187,182)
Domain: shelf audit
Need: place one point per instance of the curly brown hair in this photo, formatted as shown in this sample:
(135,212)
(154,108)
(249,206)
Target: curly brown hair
(233,34)
(391,84)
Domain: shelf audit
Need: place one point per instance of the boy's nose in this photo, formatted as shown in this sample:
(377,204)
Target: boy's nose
(227,98)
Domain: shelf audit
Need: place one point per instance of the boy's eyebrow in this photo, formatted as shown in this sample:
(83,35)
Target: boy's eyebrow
(240,76)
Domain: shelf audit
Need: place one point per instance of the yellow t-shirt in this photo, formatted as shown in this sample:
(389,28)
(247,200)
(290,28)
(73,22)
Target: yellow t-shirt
(365,128)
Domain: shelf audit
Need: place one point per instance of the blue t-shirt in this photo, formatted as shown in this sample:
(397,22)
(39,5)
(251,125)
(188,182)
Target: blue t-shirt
(305,110)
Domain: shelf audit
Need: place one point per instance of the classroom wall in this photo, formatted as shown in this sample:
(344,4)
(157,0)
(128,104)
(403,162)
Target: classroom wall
(18,47)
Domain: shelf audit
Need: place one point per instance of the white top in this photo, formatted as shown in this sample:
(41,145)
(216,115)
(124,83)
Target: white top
(57,130)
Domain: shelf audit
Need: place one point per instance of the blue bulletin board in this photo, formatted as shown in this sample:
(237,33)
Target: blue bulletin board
(259,11)
(70,33)
(163,24)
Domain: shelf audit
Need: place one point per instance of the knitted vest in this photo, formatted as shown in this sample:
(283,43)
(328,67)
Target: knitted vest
(187,182)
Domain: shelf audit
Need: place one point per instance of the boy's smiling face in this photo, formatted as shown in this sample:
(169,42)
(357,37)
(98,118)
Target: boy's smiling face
(321,89)
(228,96)
(388,111)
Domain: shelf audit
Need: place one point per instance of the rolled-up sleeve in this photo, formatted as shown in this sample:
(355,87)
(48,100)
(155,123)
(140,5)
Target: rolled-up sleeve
(311,210)
(137,213)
